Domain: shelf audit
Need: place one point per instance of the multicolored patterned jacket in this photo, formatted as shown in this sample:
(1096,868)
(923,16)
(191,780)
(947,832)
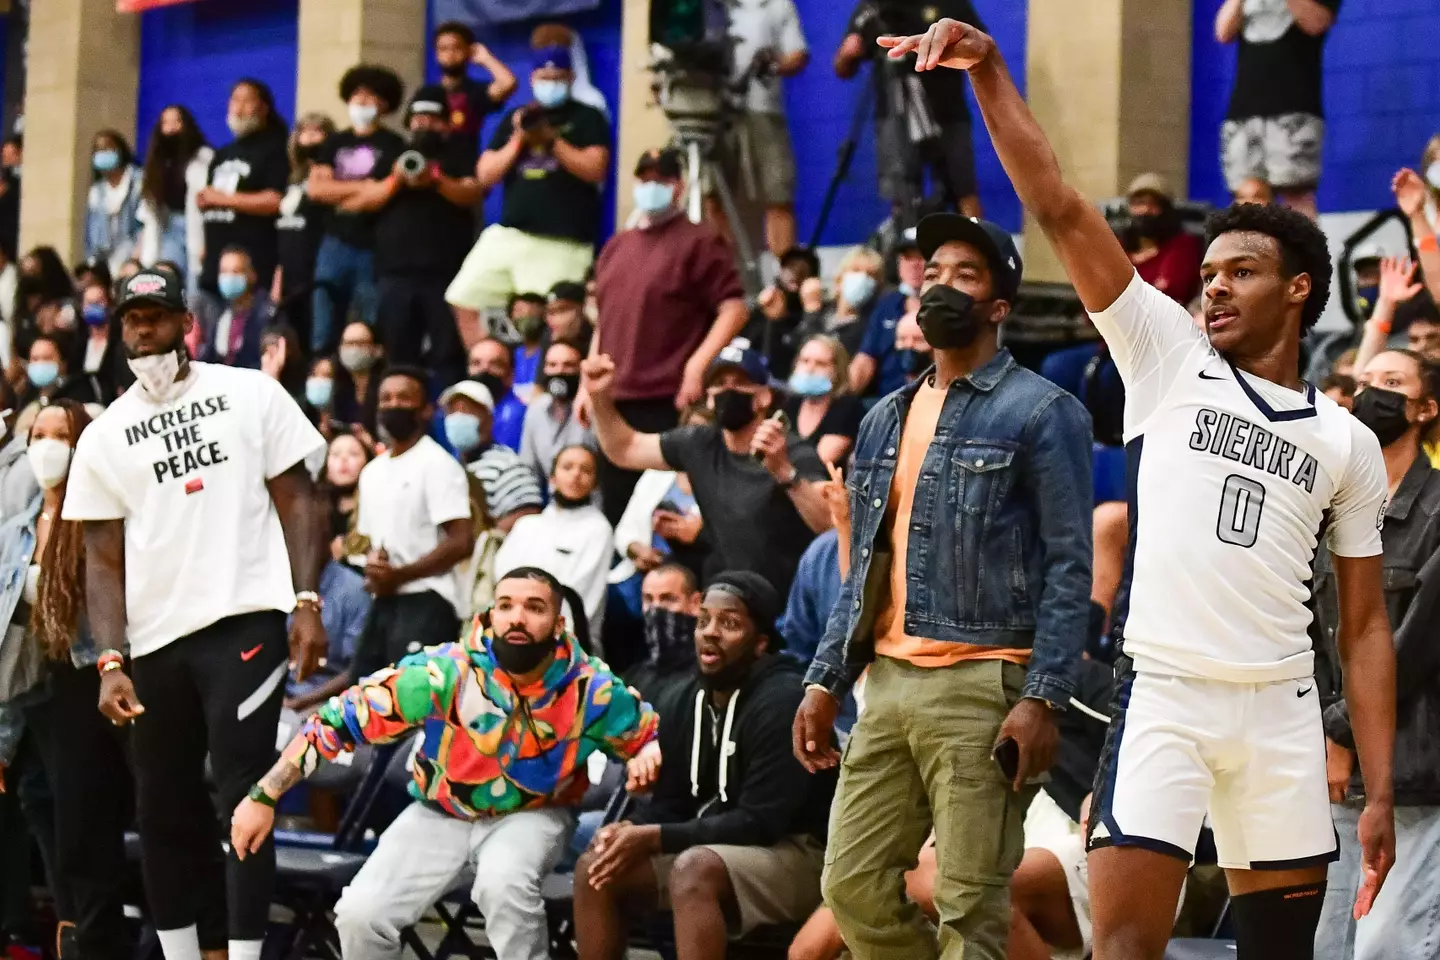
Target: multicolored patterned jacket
(488,748)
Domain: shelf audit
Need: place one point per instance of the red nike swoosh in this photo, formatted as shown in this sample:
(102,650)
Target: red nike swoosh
(249,655)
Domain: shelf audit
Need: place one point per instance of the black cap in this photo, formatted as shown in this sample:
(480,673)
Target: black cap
(568,291)
(668,163)
(761,599)
(737,355)
(160,287)
(992,240)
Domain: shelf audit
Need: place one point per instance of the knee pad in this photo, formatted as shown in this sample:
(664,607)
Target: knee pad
(1278,924)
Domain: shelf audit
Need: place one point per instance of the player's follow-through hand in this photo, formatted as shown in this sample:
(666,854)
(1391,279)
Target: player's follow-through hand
(1377,853)
(948,43)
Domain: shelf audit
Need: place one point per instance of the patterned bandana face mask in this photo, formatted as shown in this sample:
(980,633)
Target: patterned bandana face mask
(670,637)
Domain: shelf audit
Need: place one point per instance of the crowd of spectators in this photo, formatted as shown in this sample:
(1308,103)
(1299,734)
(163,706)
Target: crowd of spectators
(616,448)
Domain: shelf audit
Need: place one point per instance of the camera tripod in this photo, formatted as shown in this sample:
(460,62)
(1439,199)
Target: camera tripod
(700,112)
(918,140)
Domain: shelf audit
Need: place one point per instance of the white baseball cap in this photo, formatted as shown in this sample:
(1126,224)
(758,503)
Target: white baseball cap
(469,388)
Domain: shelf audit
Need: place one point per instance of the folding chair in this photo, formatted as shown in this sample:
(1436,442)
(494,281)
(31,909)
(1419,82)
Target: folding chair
(1214,947)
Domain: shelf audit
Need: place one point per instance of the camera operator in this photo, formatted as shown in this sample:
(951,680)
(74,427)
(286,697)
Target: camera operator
(769,44)
(424,201)
(899,158)
(552,156)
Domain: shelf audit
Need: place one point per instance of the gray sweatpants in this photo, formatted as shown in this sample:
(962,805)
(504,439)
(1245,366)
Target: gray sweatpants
(424,854)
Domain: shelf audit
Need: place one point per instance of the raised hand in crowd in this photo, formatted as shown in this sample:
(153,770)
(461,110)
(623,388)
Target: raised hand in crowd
(640,773)
(770,447)
(1397,280)
(1410,192)
(812,295)
(772,303)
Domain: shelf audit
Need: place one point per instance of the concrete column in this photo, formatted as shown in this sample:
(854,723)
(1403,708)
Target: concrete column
(1109,81)
(335,35)
(84,63)
(641,123)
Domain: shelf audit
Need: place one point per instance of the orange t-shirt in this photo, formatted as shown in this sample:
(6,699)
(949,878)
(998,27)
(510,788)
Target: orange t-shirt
(891,640)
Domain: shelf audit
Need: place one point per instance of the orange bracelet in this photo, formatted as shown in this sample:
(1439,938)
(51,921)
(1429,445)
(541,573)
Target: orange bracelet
(1428,244)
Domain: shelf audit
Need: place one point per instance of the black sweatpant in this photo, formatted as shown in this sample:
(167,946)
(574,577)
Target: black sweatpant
(644,416)
(216,691)
(410,307)
(84,757)
(400,625)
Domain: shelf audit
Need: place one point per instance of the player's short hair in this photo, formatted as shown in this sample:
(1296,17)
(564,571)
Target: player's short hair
(1303,248)
(381,81)
(456,29)
(557,590)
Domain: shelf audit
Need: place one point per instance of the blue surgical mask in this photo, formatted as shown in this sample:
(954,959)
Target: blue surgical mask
(42,373)
(906,289)
(463,431)
(318,391)
(1366,298)
(550,93)
(106,160)
(809,383)
(652,197)
(857,288)
(232,285)
(96,315)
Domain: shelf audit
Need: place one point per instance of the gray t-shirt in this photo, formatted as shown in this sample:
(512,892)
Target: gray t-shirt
(757,25)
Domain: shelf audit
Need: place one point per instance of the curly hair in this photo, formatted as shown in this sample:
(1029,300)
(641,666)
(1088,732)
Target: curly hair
(1303,248)
(381,81)
(56,613)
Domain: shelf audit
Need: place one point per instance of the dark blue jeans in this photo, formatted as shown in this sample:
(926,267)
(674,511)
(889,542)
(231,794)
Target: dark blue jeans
(344,278)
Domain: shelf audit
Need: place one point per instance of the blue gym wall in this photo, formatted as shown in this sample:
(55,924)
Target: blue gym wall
(1382,99)
(1382,92)
(192,53)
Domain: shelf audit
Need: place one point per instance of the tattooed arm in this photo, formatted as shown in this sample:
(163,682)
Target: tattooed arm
(417,688)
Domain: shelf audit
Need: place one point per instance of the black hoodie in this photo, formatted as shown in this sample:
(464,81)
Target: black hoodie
(767,795)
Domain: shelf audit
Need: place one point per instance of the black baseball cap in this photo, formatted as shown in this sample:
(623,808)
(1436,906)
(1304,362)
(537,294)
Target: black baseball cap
(567,291)
(738,355)
(160,287)
(992,240)
(430,100)
(667,163)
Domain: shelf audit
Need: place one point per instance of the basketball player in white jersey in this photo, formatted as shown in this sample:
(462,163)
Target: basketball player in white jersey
(1238,472)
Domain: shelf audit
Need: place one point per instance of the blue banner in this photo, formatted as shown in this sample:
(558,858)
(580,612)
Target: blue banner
(482,13)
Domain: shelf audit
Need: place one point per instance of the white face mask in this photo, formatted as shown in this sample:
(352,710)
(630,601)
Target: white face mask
(362,115)
(241,126)
(156,374)
(50,461)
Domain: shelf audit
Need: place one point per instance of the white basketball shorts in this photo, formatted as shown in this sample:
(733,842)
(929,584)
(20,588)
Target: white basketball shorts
(1252,755)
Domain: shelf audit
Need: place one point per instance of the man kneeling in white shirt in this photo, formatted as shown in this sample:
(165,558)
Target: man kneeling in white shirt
(570,539)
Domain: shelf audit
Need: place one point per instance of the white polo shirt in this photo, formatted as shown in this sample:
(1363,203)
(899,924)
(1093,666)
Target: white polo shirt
(202,538)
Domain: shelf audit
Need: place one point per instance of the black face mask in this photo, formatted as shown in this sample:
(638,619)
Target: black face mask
(401,423)
(670,637)
(1383,411)
(734,409)
(458,70)
(948,318)
(568,503)
(28,285)
(562,386)
(430,143)
(912,361)
(1146,225)
(494,384)
(520,657)
(305,152)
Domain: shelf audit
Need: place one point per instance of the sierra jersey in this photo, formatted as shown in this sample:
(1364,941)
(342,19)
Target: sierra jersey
(1233,481)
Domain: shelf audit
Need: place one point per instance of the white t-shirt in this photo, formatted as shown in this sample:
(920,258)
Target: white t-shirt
(202,538)
(574,546)
(404,501)
(1233,478)
(756,25)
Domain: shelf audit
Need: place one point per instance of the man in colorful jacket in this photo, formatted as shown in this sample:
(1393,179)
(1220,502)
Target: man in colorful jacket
(509,718)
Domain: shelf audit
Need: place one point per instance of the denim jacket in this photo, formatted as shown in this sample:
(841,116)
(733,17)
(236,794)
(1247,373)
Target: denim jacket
(20,500)
(999,548)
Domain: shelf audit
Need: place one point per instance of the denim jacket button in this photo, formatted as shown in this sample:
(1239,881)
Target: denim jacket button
(979,463)
(864,551)
(877,503)
(857,604)
(890,452)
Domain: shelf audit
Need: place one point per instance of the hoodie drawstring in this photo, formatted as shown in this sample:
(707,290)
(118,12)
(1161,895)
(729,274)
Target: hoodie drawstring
(727,747)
